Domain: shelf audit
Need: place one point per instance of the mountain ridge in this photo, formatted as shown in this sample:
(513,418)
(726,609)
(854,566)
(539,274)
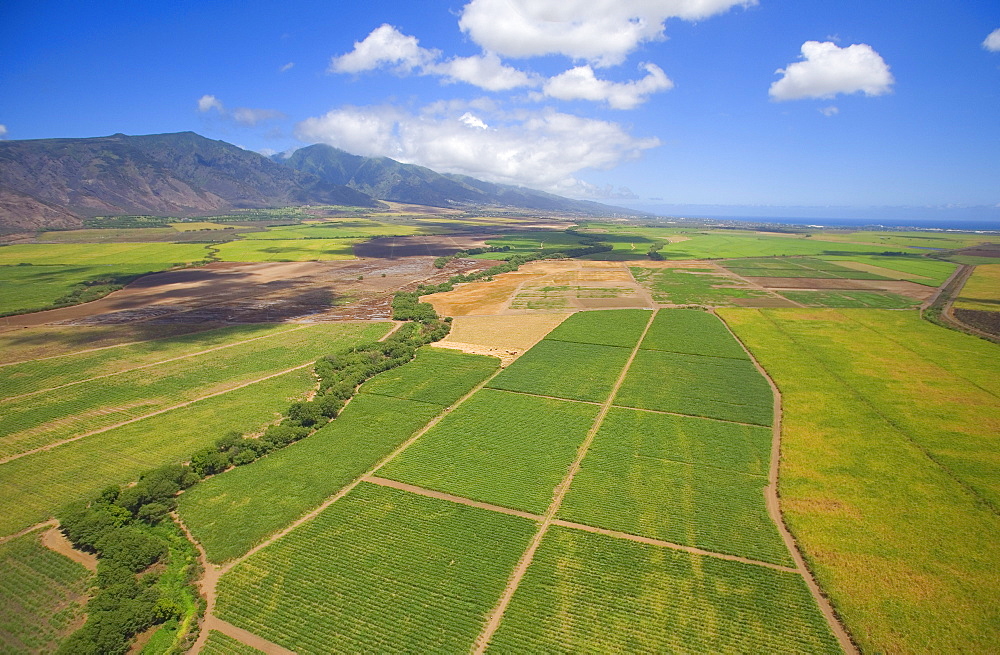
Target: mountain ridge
(56,183)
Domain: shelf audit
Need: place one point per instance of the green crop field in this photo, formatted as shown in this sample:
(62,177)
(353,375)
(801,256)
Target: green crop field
(232,512)
(873,299)
(38,287)
(712,387)
(691,331)
(694,286)
(380,570)
(590,593)
(580,371)
(358,228)
(42,595)
(32,376)
(910,239)
(889,460)
(805,267)
(679,479)
(105,254)
(621,327)
(287,250)
(220,644)
(44,418)
(34,486)
(715,245)
(498,447)
(437,375)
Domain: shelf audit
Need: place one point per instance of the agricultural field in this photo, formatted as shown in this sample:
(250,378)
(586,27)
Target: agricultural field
(875,403)
(46,417)
(789,267)
(358,228)
(703,286)
(912,267)
(188,392)
(564,369)
(697,385)
(235,510)
(35,486)
(42,594)
(380,570)
(498,447)
(620,328)
(198,226)
(846,298)
(982,290)
(286,250)
(694,332)
(222,644)
(33,288)
(592,593)
(660,476)
(108,254)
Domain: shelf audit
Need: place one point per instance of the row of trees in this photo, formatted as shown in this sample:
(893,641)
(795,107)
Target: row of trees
(118,524)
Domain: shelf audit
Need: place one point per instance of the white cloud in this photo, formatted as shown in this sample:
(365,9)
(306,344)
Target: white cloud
(992,42)
(248,116)
(828,70)
(3,131)
(485,71)
(540,150)
(603,32)
(208,102)
(472,120)
(829,111)
(287,67)
(580,83)
(384,46)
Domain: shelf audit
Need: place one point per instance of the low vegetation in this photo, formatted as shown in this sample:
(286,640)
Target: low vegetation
(608,328)
(380,570)
(587,592)
(888,470)
(578,371)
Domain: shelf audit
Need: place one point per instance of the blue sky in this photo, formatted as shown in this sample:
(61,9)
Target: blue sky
(645,102)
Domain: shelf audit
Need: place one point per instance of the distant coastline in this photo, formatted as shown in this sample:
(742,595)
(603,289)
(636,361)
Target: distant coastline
(866,223)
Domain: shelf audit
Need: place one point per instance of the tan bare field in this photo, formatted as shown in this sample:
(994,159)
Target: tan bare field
(590,285)
(57,542)
(506,337)
(910,289)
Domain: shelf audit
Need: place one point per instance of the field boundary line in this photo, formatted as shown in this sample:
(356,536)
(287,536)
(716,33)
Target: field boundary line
(63,442)
(704,418)
(150,365)
(38,526)
(468,502)
(440,495)
(514,581)
(773,502)
(694,550)
(538,395)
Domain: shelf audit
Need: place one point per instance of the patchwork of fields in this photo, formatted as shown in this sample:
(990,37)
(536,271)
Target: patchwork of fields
(529,495)
(607,481)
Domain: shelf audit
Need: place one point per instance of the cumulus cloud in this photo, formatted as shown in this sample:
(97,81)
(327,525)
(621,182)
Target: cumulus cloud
(829,111)
(287,67)
(540,150)
(603,32)
(3,130)
(385,46)
(992,42)
(828,70)
(209,102)
(485,71)
(581,83)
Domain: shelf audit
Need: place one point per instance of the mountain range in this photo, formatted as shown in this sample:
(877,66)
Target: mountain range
(55,183)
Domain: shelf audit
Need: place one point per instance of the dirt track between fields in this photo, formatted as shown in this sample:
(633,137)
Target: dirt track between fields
(57,542)
(773,502)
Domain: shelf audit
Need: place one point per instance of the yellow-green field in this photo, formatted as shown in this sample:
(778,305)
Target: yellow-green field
(982,290)
(195,226)
(287,250)
(888,478)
